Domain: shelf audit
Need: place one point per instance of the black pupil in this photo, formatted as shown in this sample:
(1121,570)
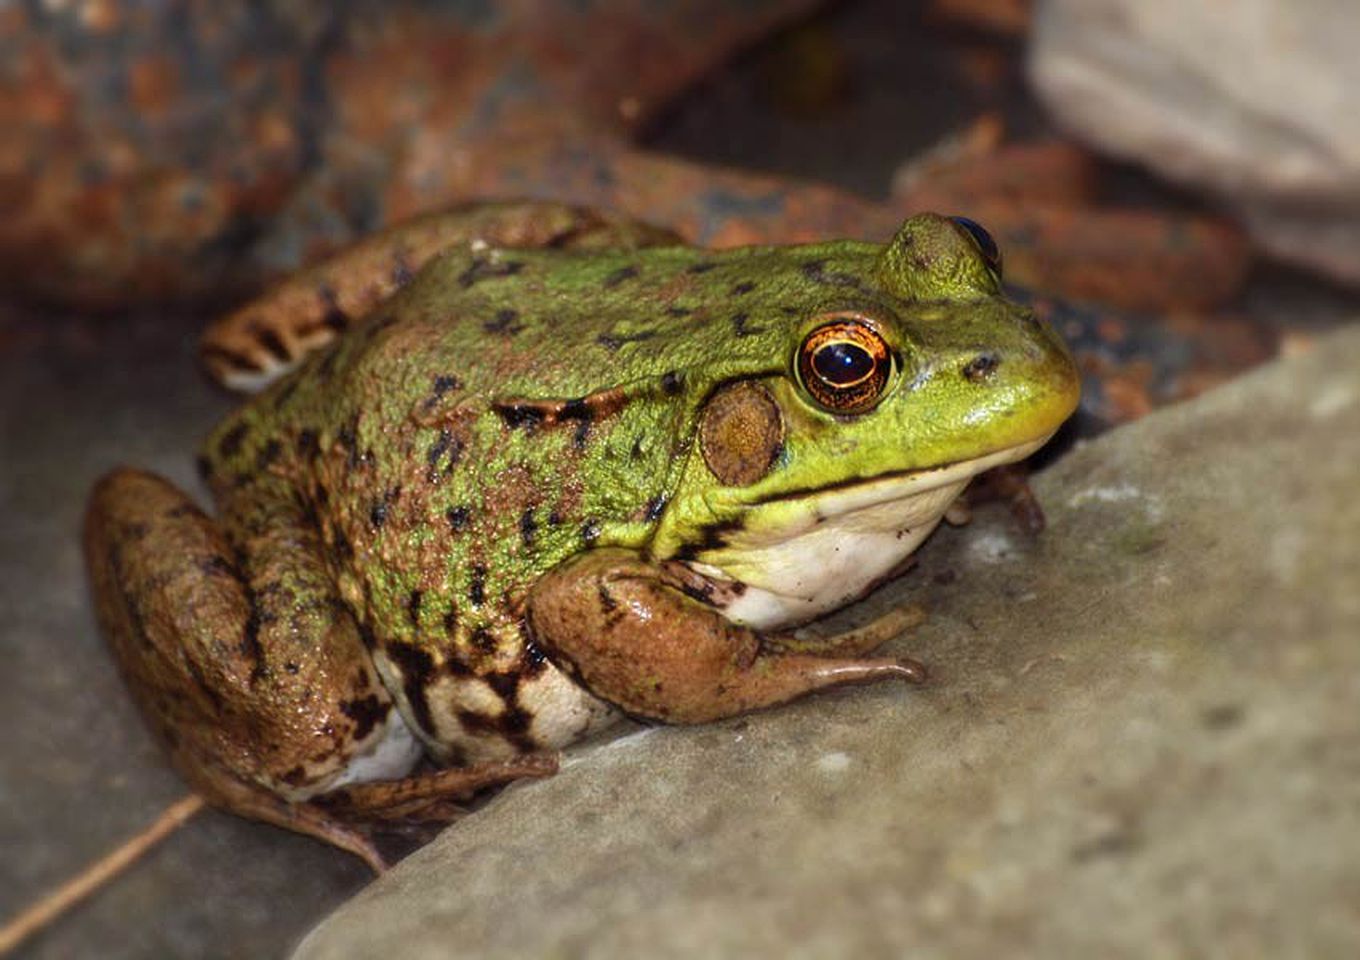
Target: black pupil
(842,363)
(981,237)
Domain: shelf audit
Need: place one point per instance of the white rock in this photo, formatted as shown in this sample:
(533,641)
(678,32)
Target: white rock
(1253,99)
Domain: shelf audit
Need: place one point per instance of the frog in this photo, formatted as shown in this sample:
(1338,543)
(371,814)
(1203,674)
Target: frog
(514,472)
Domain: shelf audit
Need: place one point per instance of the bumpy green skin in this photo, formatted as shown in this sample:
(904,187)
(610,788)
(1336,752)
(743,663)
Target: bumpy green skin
(498,483)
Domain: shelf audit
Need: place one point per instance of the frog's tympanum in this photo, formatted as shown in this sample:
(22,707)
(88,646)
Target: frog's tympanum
(523,469)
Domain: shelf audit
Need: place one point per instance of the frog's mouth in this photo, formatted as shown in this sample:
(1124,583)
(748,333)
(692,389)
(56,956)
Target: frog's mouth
(799,554)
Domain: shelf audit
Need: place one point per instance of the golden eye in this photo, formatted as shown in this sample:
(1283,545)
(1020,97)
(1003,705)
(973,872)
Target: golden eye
(844,365)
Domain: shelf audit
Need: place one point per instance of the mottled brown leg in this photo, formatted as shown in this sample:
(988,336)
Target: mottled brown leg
(627,631)
(249,669)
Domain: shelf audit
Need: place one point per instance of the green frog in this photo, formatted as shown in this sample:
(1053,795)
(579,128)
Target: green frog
(521,469)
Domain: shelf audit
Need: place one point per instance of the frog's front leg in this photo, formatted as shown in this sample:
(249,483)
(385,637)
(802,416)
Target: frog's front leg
(629,631)
(251,670)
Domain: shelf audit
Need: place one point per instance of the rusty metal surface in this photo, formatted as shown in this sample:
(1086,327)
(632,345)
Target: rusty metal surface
(163,151)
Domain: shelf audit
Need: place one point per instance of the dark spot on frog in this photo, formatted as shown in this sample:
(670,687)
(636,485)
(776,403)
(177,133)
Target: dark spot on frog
(308,442)
(268,338)
(443,443)
(637,451)
(590,532)
(612,341)
(347,438)
(1224,716)
(230,444)
(483,640)
(219,566)
(250,641)
(675,310)
(740,329)
(554,519)
(516,415)
(182,511)
(504,323)
(655,506)
(607,602)
(444,383)
(533,660)
(703,266)
(981,367)
(482,269)
(671,383)
(267,455)
(581,437)
(477,585)
(711,538)
(816,271)
(746,286)
(703,593)
(291,668)
(377,514)
(528,527)
(401,269)
(413,608)
(200,680)
(366,714)
(344,550)
(451,620)
(458,518)
(620,275)
(416,669)
(576,409)
(332,316)
(296,777)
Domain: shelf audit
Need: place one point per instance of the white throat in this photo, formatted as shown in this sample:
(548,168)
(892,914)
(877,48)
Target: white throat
(836,545)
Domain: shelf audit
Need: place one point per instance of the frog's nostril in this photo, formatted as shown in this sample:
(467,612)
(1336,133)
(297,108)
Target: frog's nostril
(981,367)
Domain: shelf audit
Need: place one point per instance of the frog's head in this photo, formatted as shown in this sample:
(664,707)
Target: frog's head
(908,374)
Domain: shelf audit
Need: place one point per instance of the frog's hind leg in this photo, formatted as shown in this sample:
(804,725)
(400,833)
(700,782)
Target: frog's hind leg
(249,669)
(251,347)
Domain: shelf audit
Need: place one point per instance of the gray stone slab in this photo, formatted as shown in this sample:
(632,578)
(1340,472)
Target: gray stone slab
(1141,741)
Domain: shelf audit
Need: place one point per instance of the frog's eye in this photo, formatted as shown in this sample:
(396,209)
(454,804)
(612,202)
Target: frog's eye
(844,365)
(985,244)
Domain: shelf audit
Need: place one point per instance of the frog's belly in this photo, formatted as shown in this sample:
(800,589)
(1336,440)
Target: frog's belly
(471,719)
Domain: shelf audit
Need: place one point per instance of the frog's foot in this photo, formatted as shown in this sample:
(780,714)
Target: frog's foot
(851,643)
(436,796)
(1008,484)
(634,638)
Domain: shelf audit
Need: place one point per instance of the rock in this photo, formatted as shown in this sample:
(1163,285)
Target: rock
(1253,100)
(1140,741)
